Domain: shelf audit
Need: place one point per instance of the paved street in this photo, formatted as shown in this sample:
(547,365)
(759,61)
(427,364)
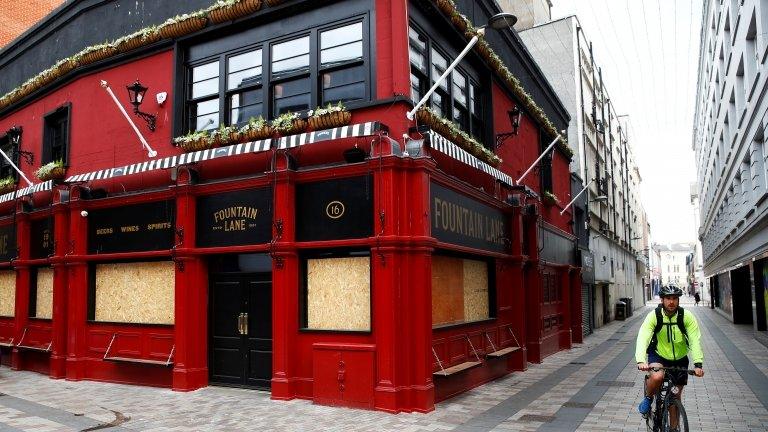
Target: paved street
(593,387)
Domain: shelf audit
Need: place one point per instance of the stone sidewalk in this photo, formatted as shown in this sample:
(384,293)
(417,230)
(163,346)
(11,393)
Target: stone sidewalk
(593,387)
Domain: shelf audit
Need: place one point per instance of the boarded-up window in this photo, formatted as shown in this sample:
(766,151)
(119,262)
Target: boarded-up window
(41,294)
(138,292)
(460,290)
(338,294)
(7,293)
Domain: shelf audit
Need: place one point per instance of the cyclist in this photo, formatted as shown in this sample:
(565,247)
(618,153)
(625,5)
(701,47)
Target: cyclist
(666,338)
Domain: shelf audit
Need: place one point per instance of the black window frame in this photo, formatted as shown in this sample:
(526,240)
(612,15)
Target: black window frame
(231,48)
(472,80)
(62,114)
(11,149)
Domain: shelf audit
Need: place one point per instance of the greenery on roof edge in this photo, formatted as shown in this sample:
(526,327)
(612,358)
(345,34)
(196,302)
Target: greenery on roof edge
(462,23)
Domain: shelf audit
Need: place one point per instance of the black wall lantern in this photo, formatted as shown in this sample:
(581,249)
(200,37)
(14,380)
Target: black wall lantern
(136,93)
(514,119)
(14,137)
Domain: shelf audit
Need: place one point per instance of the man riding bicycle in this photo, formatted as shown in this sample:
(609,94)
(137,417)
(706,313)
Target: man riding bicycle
(666,338)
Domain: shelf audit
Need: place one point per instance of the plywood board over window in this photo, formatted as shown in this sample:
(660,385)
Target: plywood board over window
(7,293)
(137,292)
(44,294)
(339,294)
(460,290)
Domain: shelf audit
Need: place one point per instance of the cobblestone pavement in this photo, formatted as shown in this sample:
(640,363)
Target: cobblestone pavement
(593,387)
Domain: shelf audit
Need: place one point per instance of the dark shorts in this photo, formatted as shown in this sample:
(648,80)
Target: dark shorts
(678,377)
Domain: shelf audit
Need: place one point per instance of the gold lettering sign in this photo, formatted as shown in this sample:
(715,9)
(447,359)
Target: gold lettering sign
(335,209)
(236,218)
(460,220)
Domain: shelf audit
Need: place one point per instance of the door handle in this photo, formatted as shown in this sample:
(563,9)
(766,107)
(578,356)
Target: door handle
(245,324)
(240,323)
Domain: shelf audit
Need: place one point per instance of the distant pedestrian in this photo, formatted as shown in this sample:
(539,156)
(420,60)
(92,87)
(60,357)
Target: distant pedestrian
(696,298)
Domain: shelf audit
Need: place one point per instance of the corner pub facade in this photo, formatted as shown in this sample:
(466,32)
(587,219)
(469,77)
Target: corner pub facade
(377,265)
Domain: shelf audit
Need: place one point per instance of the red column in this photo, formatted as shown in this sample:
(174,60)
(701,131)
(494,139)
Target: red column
(532,287)
(190,368)
(21,314)
(77,288)
(285,286)
(59,324)
(577,335)
(519,360)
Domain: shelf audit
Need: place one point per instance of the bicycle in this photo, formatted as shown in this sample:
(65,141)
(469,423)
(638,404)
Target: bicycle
(659,419)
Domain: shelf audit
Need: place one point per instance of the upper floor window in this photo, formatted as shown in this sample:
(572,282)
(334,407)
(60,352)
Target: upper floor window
(10,146)
(56,135)
(458,97)
(320,66)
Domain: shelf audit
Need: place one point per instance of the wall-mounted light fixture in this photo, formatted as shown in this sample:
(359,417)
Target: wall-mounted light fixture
(515,114)
(14,136)
(136,93)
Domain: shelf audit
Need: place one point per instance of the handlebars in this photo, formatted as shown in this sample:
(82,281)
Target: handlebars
(659,368)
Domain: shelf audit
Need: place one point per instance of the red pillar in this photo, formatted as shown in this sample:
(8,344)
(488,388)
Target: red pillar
(518,360)
(285,286)
(21,314)
(577,334)
(532,287)
(77,288)
(59,322)
(190,368)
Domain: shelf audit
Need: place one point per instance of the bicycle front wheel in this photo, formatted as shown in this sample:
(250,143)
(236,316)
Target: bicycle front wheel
(674,415)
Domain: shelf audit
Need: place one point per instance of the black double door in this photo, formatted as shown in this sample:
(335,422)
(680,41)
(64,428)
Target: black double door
(240,320)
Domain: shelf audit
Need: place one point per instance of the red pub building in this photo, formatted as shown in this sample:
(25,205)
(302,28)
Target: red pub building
(225,221)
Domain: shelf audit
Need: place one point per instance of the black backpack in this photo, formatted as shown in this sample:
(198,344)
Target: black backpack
(660,323)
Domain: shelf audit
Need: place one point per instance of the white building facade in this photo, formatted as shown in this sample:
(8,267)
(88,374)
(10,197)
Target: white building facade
(603,159)
(732,158)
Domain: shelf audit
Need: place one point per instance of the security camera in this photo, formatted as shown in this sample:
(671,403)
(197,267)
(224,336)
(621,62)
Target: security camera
(84,213)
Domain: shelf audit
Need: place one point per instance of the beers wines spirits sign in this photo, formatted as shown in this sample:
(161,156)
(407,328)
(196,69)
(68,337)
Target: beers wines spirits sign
(135,228)
(235,218)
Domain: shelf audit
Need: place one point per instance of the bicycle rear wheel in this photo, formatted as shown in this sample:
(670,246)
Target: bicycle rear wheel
(667,420)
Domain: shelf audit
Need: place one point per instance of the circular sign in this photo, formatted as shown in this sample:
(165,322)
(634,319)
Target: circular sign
(334,209)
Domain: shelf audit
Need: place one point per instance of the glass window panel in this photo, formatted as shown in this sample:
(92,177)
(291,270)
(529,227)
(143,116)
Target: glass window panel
(416,40)
(294,64)
(415,88)
(343,76)
(461,117)
(205,88)
(244,61)
(207,107)
(341,36)
(206,71)
(459,88)
(244,78)
(292,96)
(439,65)
(205,122)
(474,107)
(292,48)
(245,105)
(347,93)
(343,53)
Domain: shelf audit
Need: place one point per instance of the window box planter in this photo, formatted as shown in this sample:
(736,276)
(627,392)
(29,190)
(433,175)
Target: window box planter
(274,2)
(94,54)
(181,26)
(451,131)
(194,141)
(256,129)
(230,10)
(289,124)
(51,171)
(137,40)
(7,185)
(330,117)
(549,199)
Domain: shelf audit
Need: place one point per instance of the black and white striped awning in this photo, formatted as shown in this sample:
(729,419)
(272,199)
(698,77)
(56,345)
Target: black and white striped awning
(172,161)
(355,130)
(44,186)
(443,145)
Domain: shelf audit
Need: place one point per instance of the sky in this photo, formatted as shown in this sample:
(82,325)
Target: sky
(649,52)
